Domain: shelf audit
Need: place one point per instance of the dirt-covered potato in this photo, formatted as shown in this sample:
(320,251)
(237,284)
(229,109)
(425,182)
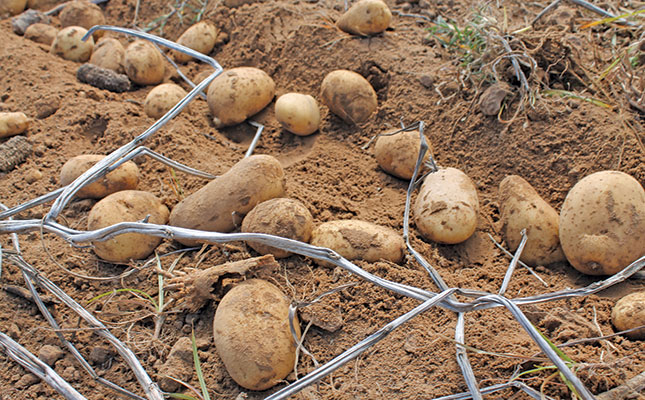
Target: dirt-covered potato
(218,205)
(41,33)
(84,14)
(143,63)
(162,98)
(13,123)
(349,96)
(11,7)
(108,53)
(366,17)
(200,37)
(397,153)
(521,207)
(447,207)
(287,218)
(629,313)
(252,334)
(602,223)
(68,44)
(125,177)
(359,240)
(298,113)
(239,93)
(127,206)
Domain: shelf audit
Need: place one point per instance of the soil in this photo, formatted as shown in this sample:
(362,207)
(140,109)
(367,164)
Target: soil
(552,144)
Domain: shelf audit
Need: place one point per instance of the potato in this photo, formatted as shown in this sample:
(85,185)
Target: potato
(239,93)
(127,206)
(13,123)
(349,96)
(68,44)
(41,33)
(162,98)
(287,218)
(397,154)
(143,63)
(251,181)
(200,37)
(11,7)
(108,53)
(602,223)
(125,177)
(521,207)
(447,207)
(366,17)
(252,334)
(359,240)
(298,113)
(83,14)
(628,313)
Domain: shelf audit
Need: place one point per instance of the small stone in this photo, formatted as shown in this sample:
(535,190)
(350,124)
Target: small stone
(13,331)
(27,381)
(69,374)
(47,107)
(21,22)
(427,81)
(490,101)
(100,355)
(179,365)
(50,354)
(103,78)
(33,175)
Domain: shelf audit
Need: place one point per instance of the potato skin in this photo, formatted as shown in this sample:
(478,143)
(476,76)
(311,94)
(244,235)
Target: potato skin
(298,113)
(127,206)
(349,96)
(143,63)
(13,123)
(126,177)
(251,181)
(359,240)
(252,335)
(521,207)
(83,14)
(108,53)
(200,37)
(287,218)
(12,7)
(239,93)
(602,223)
(162,98)
(397,154)
(628,313)
(366,17)
(68,44)
(41,33)
(447,207)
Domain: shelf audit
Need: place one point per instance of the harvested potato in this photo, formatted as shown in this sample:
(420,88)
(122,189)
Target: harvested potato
(629,313)
(127,206)
(397,153)
(11,7)
(602,223)
(68,44)
(125,177)
(162,98)
(252,334)
(239,93)
(447,207)
(143,63)
(251,181)
(366,17)
(108,53)
(200,37)
(298,113)
(521,207)
(83,14)
(287,218)
(41,33)
(349,96)
(359,240)
(13,123)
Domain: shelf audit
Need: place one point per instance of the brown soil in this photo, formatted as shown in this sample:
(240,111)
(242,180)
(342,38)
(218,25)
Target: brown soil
(552,145)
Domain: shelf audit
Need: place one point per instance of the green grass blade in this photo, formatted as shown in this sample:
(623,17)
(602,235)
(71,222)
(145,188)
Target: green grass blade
(182,396)
(137,291)
(198,369)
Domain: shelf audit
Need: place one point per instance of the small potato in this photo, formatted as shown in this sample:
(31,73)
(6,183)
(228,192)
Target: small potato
(108,53)
(239,93)
(11,7)
(397,154)
(602,223)
(287,218)
(200,37)
(143,63)
(251,181)
(126,177)
(521,207)
(84,14)
(628,313)
(127,206)
(162,98)
(359,240)
(68,44)
(41,33)
(366,17)
(13,123)
(349,96)
(298,113)
(447,207)
(252,334)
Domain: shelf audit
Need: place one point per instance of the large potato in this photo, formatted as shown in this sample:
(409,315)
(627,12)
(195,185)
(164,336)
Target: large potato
(252,334)
(602,223)
(162,98)
(13,123)
(239,93)
(349,96)
(628,313)
(287,218)
(447,207)
(11,7)
(298,113)
(125,177)
(397,153)
(108,53)
(251,181)
(200,37)
(366,17)
(83,14)
(143,63)
(522,207)
(127,206)
(359,240)
(68,44)
(41,33)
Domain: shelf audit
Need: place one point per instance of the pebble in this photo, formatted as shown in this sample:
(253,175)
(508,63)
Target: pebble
(26,381)
(100,355)
(33,175)
(179,365)
(50,354)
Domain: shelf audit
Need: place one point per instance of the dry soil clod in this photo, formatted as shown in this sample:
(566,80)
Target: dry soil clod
(21,22)
(103,78)
(14,152)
